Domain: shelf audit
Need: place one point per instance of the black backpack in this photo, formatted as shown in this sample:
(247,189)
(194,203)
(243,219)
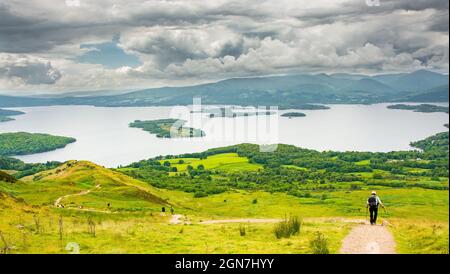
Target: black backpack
(373,201)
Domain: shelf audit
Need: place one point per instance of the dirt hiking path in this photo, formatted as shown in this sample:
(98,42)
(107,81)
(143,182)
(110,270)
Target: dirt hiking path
(85,192)
(362,239)
(368,239)
(254,220)
(176,219)
(240,221)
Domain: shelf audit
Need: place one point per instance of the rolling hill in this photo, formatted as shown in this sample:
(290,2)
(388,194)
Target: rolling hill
(119,210)
(420,80)
(284,91)
(82,184)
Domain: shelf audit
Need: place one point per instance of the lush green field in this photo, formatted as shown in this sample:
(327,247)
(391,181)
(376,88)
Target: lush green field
(298,172)
(6,177)
(22,143)
(133,223)
(223,162)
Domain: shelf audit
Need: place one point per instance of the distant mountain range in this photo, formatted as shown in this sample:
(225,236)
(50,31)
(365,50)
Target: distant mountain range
(284,91)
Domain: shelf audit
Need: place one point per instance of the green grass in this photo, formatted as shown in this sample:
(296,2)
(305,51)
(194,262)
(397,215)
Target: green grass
(133,224)
(231,162)
(295,167)
(363,162)
(150,235)
(73,177)
(420,236)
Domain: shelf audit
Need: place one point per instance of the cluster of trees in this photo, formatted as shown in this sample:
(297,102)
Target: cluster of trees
(298,171)
(22,143)
(434,147)
(27,143)
(420,108)
(4,177)
(195,180)
(293,114)
(22,169)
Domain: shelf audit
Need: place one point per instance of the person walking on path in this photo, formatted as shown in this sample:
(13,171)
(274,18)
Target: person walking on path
(372,204)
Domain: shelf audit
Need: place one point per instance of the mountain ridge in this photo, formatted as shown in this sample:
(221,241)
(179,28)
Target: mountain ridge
(286,91)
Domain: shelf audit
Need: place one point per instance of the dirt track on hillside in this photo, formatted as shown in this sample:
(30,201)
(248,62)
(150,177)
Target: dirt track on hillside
(84,192)
(240,221)
(368,239)
(362,239)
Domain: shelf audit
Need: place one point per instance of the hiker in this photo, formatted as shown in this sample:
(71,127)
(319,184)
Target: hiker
(171,210)
(372,203)
(163,210)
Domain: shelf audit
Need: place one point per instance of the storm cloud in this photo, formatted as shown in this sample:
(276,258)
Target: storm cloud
(192,41)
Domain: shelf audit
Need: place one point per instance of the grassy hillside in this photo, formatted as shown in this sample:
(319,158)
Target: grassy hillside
(224,162)
(133,223)
(414,214)
(218,193)
(5,177)
(104,186)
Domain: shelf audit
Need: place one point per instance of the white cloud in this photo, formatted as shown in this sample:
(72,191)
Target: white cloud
(192,41)
(167,45)
(27,70)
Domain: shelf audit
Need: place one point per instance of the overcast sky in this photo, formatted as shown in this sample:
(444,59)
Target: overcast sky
(54,46)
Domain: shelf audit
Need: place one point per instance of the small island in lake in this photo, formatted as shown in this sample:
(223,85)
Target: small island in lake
(426,108)
(305,107)
(5,119)
(168,128)
(5,113)
(233,112)
(293,114)
(23,143)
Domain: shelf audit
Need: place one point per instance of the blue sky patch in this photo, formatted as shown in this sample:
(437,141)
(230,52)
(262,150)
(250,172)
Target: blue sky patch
(109,55)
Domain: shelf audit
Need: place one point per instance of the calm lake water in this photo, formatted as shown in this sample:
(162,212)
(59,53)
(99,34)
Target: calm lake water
(103,135)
